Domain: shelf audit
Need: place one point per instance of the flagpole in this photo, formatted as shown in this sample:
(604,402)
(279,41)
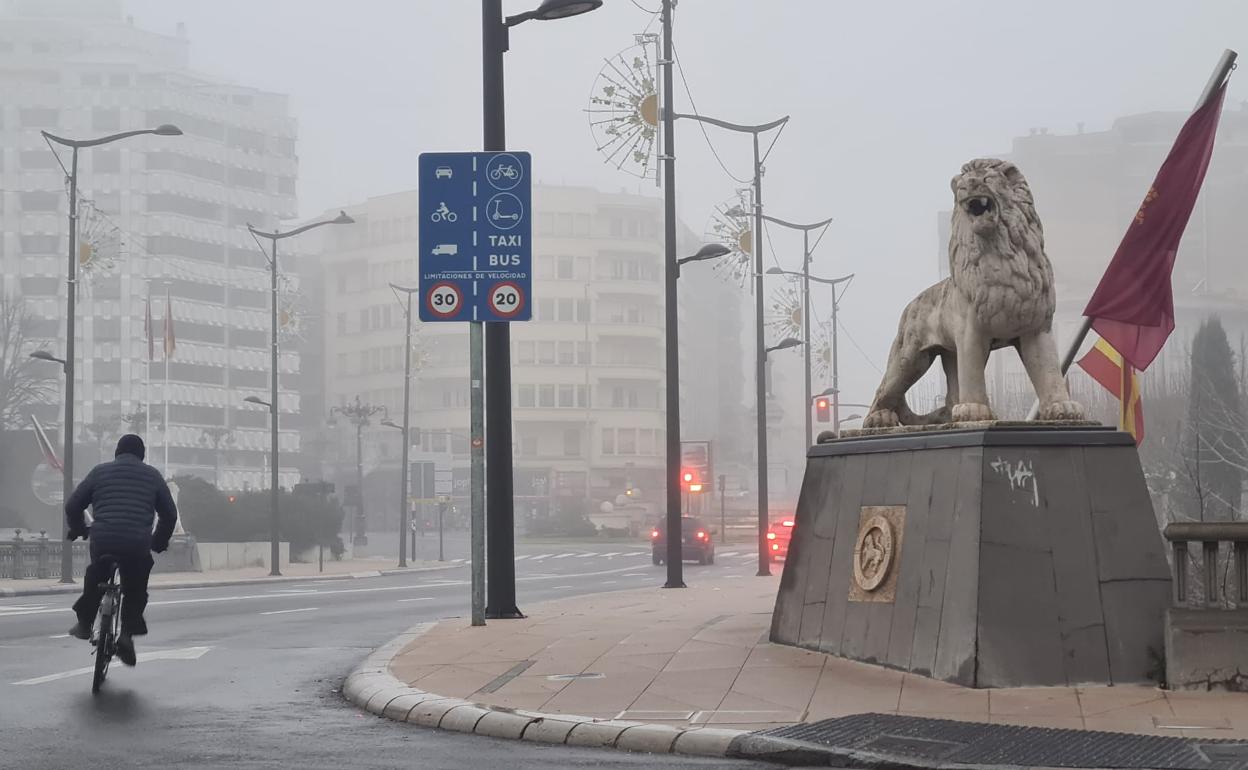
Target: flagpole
(168,327)
(1220,73)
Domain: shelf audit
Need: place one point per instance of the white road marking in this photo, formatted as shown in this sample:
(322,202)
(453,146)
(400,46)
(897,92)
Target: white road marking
(558,587)
(59,636)
(186,653)
(585,555)
(608,582)
(376,589)
(609,555)
(291,591)
(636,574)
(543,556)
(285,612)
(368,574)
(564,555)
(418,599)
(17,607)
(522,558)
(730,553)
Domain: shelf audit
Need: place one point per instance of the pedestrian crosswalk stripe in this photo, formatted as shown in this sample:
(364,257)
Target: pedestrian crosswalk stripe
(543,556)
(609,555)
(730,553)
(563,555)
(522,558)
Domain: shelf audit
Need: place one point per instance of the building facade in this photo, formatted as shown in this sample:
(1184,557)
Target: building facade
(160,217)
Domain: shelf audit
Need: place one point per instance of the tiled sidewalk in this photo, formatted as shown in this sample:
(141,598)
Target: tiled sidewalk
(699,656)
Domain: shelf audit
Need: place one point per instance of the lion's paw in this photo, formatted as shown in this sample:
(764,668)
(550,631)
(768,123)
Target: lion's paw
(883,418)
(1062,410)
(970,412)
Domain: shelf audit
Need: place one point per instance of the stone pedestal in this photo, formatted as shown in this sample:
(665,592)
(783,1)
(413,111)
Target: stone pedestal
(993,556)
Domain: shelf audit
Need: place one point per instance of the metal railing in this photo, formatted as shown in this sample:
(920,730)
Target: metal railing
(30,558)
(1210,535)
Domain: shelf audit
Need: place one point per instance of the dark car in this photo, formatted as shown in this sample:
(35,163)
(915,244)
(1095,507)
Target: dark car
(698,545)
(778,538)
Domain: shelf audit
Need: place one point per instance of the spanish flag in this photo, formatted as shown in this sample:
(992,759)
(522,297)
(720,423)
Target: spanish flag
(1106,366)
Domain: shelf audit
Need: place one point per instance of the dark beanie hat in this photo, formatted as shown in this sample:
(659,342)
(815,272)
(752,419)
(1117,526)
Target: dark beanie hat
(131,444)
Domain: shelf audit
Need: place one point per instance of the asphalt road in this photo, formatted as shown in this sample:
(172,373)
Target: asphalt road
(249,676)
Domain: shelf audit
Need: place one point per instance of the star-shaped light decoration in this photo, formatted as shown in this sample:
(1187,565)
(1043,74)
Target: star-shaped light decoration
(99,242)
(624,109)
(821,361)
(732,226)
(785,319)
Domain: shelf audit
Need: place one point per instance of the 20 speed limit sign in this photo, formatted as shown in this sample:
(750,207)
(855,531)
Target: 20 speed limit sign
(444,300)
(506,299)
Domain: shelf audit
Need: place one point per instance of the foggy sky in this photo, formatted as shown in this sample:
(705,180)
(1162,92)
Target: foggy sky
(887,100)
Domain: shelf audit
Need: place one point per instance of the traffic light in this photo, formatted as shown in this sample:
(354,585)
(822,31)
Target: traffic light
(823,411)
(686,476)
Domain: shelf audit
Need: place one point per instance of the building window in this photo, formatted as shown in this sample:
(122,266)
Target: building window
(566,353)
(566,312)
(40,201)
(582,396)
(364,320)
(106,119)
(563,268)
(567,396)
(106,161)
(582,353)
(582,311)
(39,117)
(36,159)
(525,397)
(545,310)
(546,352)
(546,396)
(571,443)
(526,352)
(528,445)
(617,397)
(544,269)
(608,441)
(646,441)
(342,323)
(119,80)
(627,441)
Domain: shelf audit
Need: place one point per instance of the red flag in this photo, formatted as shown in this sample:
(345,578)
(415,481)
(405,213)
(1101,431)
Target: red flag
(1105,365)
(170,343)
(1133,306)
(147,328)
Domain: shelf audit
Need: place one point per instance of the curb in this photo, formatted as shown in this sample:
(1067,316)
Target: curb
(371,687)
(74,588)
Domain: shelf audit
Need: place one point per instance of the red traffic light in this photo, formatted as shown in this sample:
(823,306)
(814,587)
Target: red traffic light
(687,477)
(231,498)
(823,412)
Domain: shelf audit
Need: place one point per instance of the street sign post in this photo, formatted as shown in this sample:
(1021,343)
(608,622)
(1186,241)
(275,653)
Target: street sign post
(476,257)
(476,227)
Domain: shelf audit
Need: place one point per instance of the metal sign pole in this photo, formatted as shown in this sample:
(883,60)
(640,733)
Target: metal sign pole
(477,436)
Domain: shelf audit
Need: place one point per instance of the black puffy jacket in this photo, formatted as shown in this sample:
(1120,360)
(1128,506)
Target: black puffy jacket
(124,495)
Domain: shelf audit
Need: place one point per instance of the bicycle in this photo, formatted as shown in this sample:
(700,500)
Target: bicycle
(108,624)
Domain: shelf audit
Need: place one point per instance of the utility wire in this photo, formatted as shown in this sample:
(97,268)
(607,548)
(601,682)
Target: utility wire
(705,134)
(642,8)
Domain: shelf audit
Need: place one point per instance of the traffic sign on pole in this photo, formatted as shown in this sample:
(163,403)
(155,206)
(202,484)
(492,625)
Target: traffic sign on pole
(476,227)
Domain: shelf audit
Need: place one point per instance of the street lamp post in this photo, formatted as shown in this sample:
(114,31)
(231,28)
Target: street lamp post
(273,237)
(760,368)
(835,390)
(406,427)
(806,328)
(67,431)
(501,584)
(359,414)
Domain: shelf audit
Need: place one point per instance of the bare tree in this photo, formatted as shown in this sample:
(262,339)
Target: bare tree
(23,380)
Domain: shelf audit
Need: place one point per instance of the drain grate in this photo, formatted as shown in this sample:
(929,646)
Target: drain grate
(984,744)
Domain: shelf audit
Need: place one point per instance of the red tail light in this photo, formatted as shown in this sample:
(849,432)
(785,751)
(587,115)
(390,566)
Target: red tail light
(654,533)
(701,535)
(775,546)
(771,535)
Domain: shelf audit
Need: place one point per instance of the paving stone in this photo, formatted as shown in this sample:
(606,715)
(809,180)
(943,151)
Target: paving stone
(462,719)
(398,708)
(654,739)
(596,734)
(429,713)
(707,742)
(502,724)
(548,730)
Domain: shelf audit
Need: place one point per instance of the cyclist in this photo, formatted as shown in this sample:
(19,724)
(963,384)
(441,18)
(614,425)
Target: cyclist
(123,495)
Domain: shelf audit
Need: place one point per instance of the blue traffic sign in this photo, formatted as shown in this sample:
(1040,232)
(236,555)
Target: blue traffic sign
(476,232)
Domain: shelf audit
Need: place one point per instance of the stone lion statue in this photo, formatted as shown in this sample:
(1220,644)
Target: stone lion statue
(999,293)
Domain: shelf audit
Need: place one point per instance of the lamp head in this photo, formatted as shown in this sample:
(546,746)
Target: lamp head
(550,10)
(343,218)
(712,250)
(167,129)
(254,400)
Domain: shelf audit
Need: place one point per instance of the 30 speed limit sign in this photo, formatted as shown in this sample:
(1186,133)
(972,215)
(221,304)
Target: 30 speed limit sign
(506,299)
(444,300)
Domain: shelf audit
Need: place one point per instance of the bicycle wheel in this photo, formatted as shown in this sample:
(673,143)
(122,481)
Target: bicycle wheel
(103,652)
